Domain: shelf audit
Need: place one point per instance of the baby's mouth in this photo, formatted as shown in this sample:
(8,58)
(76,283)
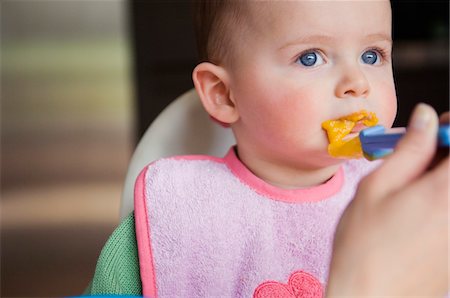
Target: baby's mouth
(355,131)
(343,133)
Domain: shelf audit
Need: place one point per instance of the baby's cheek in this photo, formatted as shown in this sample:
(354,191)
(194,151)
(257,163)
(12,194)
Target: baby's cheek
(303,109)
(387,106)
(389,112)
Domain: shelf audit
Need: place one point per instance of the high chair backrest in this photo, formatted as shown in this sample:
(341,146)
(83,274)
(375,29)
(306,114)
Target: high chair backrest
(181,128)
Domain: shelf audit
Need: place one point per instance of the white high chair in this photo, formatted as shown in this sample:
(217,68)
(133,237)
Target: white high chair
(181,128)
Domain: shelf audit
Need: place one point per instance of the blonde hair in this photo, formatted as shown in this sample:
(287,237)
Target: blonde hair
(217,24)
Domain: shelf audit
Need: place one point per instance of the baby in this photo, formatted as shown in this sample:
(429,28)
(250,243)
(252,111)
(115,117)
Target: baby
(265,215)
(260,221)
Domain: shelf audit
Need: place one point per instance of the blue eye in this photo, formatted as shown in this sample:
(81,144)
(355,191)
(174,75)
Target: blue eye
(370,57)
(309,59)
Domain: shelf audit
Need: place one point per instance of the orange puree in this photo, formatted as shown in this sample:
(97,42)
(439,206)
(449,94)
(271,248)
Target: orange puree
(338,129)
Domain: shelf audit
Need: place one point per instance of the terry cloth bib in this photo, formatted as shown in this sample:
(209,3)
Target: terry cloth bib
(208,227)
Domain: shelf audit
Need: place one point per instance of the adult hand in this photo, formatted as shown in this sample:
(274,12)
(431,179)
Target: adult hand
(393,238)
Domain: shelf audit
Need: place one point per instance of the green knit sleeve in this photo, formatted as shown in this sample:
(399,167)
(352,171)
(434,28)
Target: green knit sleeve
(117,270)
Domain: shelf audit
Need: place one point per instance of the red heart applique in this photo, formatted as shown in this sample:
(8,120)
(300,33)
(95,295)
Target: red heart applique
(300,284)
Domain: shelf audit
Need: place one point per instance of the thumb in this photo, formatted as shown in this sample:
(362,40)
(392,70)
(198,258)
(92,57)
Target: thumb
(412,154)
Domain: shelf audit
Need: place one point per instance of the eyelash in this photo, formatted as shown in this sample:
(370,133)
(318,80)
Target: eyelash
(383,53)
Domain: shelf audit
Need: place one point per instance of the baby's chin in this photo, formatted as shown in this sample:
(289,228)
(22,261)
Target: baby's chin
(330,161)
(317,159)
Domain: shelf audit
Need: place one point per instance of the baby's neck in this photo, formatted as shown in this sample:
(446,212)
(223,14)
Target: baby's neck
(287,176)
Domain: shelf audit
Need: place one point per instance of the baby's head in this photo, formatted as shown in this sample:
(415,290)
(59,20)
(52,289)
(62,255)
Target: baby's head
(275,70)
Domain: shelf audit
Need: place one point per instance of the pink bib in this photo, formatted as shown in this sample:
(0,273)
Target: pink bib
(207,227)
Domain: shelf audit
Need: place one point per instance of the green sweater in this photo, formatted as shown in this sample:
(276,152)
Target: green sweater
(117,270)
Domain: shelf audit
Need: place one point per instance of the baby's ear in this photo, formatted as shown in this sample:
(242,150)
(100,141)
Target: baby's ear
(211,83)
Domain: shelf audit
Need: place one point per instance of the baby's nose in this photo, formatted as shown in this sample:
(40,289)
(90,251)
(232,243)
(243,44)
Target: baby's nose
(352,84)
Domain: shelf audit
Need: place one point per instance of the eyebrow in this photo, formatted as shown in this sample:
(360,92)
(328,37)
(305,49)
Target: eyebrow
(379,37)
(331,39)
(309,39)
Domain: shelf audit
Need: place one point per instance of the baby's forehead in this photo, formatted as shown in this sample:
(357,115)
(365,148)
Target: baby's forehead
(263,17)
(269,12)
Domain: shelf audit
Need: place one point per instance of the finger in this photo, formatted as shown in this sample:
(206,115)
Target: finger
(412,154)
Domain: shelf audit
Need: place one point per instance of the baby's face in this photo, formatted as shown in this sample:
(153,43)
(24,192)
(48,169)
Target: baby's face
(304,62)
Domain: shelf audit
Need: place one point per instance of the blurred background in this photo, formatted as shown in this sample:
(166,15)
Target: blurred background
(66,138)
(81,80)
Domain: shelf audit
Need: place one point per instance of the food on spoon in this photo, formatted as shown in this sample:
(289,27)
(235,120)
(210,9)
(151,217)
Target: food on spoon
(338,129)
